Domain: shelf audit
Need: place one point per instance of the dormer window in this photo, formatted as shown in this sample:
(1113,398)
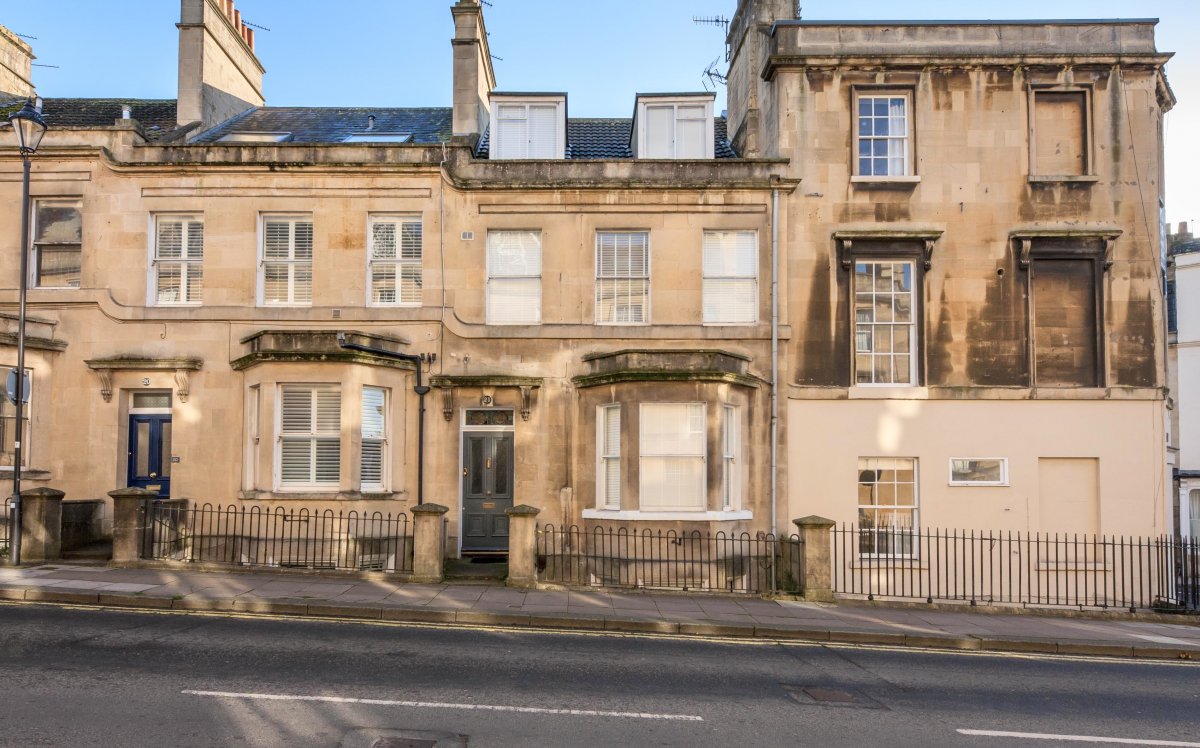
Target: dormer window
(674,126)
(528,127)
(255,137)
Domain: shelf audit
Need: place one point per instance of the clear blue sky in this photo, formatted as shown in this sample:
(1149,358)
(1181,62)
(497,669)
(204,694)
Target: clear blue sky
(397,52)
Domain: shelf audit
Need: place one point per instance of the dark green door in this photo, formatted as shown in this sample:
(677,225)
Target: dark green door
(487,490)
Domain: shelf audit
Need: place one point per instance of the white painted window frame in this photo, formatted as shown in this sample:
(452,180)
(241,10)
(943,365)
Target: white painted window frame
(648,279)
(914,344)
(312,437)
(291,262)
(702,456)
(675,102)
(494,280)
(1003,472)
(184,261)
(496,153)
(383,439)
(34,259)
(710,278)
(398,262)
(604,456)
(732,473)
(915,506)
(907,139)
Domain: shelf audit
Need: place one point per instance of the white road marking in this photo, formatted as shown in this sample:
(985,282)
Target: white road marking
(443,705)
(1166,639)
(1076,738)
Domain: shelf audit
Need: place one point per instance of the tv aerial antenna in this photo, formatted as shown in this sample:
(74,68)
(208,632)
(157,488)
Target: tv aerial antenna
(714,76)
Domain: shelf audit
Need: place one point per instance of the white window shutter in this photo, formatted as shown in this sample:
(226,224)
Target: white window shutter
(510,136)
(543,131)
(374,437)
(310,423)
(195,239)
(660,132)
(691,129)
(170,238)
(609,449)
(383,240)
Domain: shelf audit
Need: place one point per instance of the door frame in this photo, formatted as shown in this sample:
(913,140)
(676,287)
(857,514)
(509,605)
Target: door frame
(463,428)
(131,411)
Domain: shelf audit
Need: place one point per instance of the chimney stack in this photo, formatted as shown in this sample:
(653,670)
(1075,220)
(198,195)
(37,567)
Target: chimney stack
(219,74)
(749,44)
(16,64)
(474,78)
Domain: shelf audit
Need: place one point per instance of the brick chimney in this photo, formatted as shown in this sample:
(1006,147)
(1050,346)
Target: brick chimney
(219,76)
(16,60)
(749,44)
(473,75)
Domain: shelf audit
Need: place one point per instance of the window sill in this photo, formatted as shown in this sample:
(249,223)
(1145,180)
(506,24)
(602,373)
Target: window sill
(896,182)
(887,392)
(1081,178)
(963,484)
(635,514)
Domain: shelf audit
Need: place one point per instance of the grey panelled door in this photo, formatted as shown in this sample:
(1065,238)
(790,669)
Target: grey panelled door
(487,490)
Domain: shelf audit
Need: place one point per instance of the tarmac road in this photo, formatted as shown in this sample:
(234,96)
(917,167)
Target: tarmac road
(84,677)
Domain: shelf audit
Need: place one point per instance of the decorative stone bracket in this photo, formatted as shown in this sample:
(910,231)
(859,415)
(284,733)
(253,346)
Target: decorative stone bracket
(1080,243)
(104,368)
(886,242)
(447,384)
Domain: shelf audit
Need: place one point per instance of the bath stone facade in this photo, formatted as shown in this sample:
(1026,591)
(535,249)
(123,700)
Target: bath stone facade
(232,302)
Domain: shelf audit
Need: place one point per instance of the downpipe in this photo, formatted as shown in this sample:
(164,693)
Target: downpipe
(421,389)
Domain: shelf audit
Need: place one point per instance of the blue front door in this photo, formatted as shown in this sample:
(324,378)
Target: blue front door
(150,452)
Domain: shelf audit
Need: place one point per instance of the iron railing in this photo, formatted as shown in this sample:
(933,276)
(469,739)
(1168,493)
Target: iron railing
(6,518)
(657,559)
(1030,569)
(279,537)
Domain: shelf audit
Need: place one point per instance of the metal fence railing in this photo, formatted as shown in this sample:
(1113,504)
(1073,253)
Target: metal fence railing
(1086,571)
(5,524)
(279,537)
(656,559)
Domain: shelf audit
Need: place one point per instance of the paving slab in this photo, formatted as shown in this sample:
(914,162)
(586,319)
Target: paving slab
(307,593)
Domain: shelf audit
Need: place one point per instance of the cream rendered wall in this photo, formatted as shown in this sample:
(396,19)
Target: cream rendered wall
(826,438)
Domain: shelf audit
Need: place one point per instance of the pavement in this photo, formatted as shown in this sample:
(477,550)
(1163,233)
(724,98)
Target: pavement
(476,604)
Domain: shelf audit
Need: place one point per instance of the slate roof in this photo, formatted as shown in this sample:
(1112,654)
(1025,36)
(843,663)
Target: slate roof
(157,116)
(335,124)
(1184,248)
(609,138)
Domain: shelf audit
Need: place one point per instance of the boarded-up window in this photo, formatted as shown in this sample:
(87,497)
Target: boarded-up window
(1068,497)
(1059,133)
(1065,321)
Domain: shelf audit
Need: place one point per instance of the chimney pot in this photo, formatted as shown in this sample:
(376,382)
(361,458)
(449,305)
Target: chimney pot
(37,104)
(126,111)
(249,37)
(370,121)
(237,19)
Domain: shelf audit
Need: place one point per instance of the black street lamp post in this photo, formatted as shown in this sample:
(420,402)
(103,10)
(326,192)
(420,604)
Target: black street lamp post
(29,128)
